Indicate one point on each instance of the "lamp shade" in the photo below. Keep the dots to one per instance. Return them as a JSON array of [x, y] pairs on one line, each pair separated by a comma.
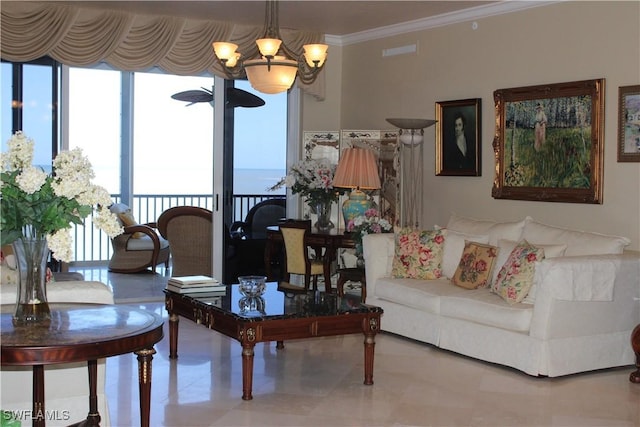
[[357, 169]]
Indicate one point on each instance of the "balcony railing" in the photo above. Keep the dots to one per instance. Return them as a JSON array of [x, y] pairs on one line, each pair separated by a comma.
[[93, 246]]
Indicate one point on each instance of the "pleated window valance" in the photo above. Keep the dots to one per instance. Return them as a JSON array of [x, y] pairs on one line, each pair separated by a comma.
[[81, 37]]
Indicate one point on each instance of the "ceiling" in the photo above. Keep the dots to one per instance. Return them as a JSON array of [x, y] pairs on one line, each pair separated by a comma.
[[329, 17]]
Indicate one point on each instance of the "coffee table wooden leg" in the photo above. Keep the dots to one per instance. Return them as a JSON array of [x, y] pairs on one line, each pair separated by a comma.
[[145, 358], [173, 335], [370, 330], [38, 396], [369, 347], [247, 370]]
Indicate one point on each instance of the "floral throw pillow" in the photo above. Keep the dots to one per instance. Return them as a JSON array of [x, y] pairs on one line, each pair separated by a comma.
[[476, 265], [418, 254], [516, 275]]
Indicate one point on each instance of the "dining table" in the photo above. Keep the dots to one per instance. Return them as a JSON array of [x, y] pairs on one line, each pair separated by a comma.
[[328, 241]]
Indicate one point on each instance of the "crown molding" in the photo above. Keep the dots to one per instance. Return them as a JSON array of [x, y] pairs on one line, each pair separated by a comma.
[[465, 15]]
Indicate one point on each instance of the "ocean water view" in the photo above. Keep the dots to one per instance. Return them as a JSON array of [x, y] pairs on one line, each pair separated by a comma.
[[257, 181]]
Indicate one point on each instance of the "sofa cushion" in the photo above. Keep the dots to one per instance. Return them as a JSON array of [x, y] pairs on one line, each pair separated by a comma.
[[484, 307], [454, 242], [420, 294], [8, 266], [495, 230], [418, 254], [476, 265], [74, 291], [145, 243], [578, 242], [516, 275], [505, 247]]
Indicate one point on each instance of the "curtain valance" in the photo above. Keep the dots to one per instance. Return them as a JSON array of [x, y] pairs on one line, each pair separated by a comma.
[[79, 36]]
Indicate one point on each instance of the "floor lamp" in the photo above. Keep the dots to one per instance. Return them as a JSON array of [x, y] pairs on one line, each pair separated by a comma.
[[411, 136]]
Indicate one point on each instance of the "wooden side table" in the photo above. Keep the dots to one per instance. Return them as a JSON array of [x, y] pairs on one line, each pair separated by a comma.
[[83, 332], [635, 344]]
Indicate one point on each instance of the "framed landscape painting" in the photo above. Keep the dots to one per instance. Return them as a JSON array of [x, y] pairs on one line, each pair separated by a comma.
[[629, 124], [549, 141]]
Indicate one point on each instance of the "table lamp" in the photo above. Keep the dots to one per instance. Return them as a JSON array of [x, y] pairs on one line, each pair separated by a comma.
[[357, 170]]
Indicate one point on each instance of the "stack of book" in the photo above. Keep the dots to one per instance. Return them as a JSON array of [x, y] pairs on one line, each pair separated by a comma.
[[199, 285]]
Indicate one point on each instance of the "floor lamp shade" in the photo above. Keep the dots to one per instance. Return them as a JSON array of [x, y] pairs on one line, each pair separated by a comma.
[[357, 170]]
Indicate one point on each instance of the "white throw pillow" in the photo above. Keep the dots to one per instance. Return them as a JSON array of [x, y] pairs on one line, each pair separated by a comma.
[[495, 230], [578, 242], [454, 242]]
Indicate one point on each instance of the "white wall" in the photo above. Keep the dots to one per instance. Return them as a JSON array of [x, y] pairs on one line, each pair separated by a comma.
[[562, 42]]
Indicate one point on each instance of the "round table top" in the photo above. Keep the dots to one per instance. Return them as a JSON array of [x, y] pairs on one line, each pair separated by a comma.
[[79, 332]]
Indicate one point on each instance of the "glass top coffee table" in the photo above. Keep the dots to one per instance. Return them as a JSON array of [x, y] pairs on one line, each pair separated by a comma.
[[280, 314]]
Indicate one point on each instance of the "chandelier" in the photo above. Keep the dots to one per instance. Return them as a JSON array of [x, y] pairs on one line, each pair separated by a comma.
[[271, 67]]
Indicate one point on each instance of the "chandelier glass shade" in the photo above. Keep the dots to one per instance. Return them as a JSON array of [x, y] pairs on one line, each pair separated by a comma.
[[274, 67]]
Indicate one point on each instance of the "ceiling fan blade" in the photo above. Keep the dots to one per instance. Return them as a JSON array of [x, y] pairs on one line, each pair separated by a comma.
[[235, 97], [241, 98], [193, 96]]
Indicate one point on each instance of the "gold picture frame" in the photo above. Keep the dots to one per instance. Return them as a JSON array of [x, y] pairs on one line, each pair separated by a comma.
[[458, 148], [549, 141], [629, 123]]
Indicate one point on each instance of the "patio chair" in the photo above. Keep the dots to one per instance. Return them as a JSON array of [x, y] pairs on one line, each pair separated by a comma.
[[139, 247], [249, 237], [260, 216], [189, 230]]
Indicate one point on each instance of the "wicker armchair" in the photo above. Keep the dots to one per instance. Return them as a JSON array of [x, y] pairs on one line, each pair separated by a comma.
[[189, 230], [139, 247]]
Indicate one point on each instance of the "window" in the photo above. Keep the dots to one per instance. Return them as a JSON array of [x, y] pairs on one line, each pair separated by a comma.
[[94, 112], [31, 91]]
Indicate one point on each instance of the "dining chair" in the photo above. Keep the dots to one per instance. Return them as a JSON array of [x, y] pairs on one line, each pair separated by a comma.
[[297, 256]]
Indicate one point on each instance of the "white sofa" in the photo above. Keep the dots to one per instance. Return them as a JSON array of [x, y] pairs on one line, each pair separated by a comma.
[[578, 316], [66, 385]]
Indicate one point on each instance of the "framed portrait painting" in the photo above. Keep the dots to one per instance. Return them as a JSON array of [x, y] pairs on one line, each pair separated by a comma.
[[549, 142], [629, 124], [458, 138]]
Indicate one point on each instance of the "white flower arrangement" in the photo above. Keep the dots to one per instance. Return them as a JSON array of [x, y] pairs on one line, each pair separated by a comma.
[[312, 179], [36, 205]]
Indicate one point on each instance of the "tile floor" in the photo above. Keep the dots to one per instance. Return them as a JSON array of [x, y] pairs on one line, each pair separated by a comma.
[[318, 382]]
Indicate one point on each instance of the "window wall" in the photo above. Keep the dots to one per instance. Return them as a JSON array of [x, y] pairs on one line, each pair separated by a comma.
[[141, 141], [29, 100]]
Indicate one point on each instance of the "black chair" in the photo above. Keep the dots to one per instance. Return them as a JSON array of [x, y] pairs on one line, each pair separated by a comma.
[[249, 237], [260, 216]]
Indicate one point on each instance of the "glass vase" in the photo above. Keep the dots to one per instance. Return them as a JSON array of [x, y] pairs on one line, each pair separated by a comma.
[[32, 307], [323, 210]]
